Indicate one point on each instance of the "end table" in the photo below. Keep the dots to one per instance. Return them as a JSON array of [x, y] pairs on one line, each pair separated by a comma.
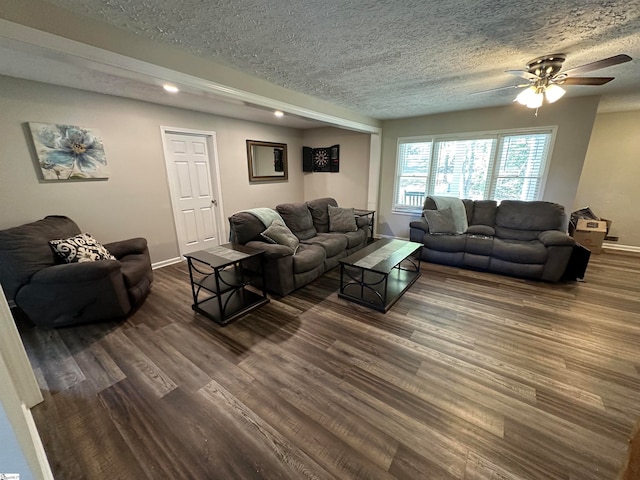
[[217, 275]]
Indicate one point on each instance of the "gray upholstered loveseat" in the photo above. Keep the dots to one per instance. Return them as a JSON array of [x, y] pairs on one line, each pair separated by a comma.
[[319, 249], [53, 293], [518, 238]]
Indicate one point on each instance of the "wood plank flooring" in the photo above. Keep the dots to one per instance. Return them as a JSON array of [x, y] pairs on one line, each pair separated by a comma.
[[470, 376]]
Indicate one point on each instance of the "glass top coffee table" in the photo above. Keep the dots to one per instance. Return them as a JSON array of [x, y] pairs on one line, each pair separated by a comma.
[[380, 273]]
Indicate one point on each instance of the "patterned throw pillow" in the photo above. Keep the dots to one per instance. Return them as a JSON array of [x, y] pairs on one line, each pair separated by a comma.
[[81, 248], [279, 233]]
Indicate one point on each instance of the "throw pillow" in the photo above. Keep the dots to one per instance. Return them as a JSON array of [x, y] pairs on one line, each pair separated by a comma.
[[279, 233], [341, 219], [81, 248], [440, 221]]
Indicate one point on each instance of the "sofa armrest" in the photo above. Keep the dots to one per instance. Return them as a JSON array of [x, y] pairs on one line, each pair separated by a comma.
[[420, 225], [362, 222], [127, 247], [556, 238], [70, 273], [271, 250]]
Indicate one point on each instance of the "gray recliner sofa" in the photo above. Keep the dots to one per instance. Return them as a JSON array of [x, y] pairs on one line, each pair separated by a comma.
[[518, 238], [319, 249], [53, 293]]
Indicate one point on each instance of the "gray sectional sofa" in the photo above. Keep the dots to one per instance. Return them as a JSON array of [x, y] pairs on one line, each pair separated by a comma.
[[518, 238], [319, 248]]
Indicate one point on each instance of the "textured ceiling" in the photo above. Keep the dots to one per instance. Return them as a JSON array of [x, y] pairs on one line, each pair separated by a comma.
[[397, 58]]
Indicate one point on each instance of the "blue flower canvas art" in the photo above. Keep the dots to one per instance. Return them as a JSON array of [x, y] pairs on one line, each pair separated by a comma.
[[68, 152]]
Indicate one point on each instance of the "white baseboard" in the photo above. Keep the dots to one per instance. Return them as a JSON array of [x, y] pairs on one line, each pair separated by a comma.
[[392, 237], [166, 263], [623, 248]]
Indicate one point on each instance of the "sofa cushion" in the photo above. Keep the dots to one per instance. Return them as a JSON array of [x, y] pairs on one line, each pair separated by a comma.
[[308, 257], [446, 243], [341, 219], [80, 248], [440, 221], [279, 233], [332, 243], [320, 213], [298, 218], [535, 215], [518, 251], [484, 212]]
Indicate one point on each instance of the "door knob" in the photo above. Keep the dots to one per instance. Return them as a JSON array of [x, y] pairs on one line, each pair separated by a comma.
[[215, 202]]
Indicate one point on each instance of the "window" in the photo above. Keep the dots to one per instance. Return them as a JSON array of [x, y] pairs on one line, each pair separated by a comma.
[[499, 166]]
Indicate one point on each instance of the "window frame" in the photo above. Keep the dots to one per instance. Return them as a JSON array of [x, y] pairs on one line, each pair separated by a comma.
[[494, 162]]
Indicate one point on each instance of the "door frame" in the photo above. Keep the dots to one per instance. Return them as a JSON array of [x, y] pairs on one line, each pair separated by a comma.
[[214, 166], [19, 394]]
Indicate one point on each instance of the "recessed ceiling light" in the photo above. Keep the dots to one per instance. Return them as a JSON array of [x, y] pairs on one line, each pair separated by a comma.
[[278, 113], [171, 88]]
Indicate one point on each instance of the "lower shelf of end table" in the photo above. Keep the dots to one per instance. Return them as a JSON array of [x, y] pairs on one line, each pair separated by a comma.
[[234, 304]]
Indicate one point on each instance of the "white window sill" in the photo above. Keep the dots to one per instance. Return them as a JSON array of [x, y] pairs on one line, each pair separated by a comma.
[[408, 213]]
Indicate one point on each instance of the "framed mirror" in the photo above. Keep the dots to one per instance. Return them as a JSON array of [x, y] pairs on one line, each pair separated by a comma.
[[267, 161]]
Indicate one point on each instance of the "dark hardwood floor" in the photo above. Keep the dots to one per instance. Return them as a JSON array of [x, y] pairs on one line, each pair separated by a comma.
[[470, 376]]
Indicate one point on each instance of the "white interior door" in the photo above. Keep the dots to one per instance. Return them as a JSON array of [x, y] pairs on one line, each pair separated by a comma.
[[193, 197]]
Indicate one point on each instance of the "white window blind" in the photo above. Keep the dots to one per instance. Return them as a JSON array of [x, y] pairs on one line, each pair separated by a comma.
[[414, 161], [520, 169], [498, 165], [462, 168]]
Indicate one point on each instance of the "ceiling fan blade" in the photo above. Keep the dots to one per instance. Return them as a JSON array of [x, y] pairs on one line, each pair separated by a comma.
[[586, 80], [523, 74], [499, 88], [606, 62]]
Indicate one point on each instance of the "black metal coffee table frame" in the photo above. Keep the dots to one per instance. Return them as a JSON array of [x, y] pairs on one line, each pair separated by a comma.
[[380, 273]]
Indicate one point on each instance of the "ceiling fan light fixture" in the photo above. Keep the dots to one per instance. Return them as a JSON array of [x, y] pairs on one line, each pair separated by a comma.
[[535, 101], [528, 96], [554, 93]]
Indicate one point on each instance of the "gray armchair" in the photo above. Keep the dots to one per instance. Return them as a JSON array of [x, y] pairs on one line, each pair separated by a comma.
[[52, 293]]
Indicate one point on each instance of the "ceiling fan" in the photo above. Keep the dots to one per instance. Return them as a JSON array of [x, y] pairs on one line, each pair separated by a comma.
[[544, 75]]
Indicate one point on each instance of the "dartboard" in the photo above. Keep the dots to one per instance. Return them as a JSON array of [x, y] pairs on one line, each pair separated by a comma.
[[321, 159]]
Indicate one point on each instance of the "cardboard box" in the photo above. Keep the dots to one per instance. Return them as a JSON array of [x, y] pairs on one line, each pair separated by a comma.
[[590, 233]]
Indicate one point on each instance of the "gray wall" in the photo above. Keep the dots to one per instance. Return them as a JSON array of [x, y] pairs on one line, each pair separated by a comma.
[[134, 201], [609, 181], [574, 118], [349, 186]]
